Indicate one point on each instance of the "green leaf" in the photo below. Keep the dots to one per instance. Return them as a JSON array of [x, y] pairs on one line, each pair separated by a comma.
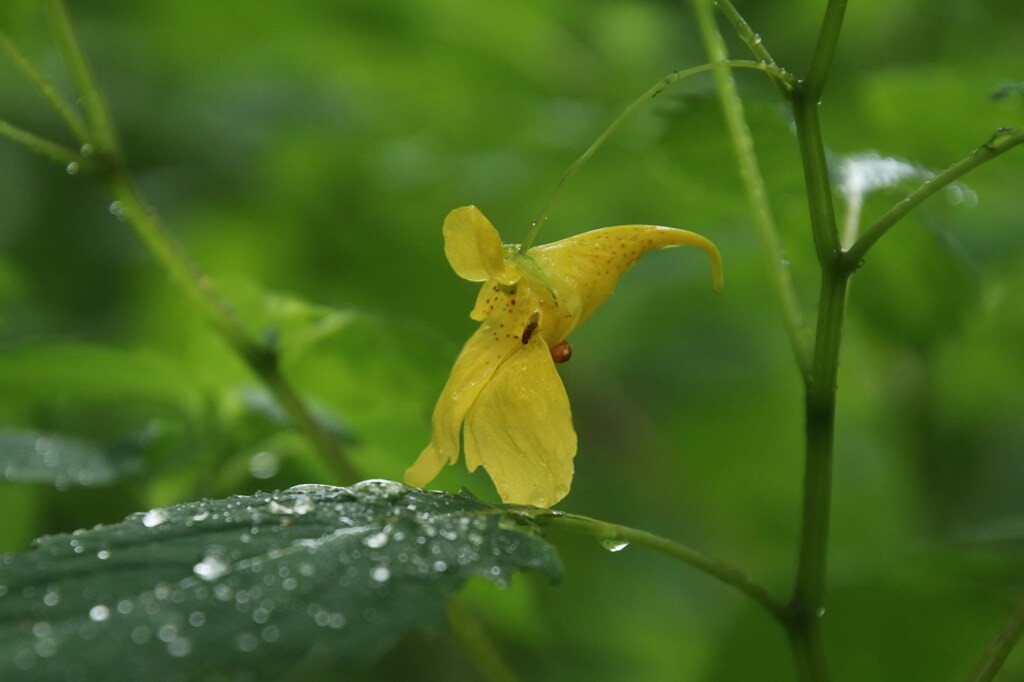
[[35, 457], [249, 584]]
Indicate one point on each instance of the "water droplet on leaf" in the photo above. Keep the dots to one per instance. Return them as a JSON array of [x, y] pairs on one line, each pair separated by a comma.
[[378, 489], [211, 567], [154, 517], [299, 505], [376, 541]]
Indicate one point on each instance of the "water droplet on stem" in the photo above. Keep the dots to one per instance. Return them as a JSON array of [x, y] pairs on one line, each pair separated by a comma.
[[614, 544]]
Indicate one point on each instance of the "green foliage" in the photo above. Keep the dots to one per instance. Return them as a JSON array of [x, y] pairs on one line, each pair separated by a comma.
[[316, 148], [248, 585]]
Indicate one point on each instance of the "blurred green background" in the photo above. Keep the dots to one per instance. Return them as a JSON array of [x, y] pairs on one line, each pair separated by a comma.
[[305, 155]]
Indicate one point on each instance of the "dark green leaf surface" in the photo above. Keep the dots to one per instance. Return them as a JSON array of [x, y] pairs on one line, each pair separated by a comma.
[[34, 457], [247, 585]]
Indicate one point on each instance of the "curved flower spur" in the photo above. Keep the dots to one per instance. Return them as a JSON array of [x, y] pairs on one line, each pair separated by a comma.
[[504, 394]]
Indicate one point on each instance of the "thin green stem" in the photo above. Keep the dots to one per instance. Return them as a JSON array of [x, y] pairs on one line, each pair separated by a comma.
[[716, 568], [648, 95], [775, 261], [261, 358], [97, 117], [129, 207], [46, 89], [753, 41], [475, 642], [816, 176], [824, 52], [1002, 141], [1000, 647], [39, 145]]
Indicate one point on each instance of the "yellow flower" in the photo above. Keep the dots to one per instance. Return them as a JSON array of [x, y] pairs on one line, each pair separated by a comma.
[[504, 394]]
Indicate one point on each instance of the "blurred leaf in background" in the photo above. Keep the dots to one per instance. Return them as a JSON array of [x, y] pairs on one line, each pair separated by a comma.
[[306, 155]]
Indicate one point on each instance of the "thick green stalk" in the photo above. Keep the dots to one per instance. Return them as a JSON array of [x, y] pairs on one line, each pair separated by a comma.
[[716, 568], [820, 386], [808, 603]]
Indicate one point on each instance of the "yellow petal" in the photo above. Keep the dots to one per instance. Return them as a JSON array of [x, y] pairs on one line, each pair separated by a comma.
[[520, 429], [426, 467], [590, 264], [474, 247], [475, 366]]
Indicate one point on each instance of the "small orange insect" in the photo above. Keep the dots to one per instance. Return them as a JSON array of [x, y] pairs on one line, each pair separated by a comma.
[[561, 352]]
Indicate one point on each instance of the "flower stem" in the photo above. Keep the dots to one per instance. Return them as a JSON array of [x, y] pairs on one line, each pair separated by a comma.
[[648, 95], [996, 653], [757, 195], [716, 568]]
